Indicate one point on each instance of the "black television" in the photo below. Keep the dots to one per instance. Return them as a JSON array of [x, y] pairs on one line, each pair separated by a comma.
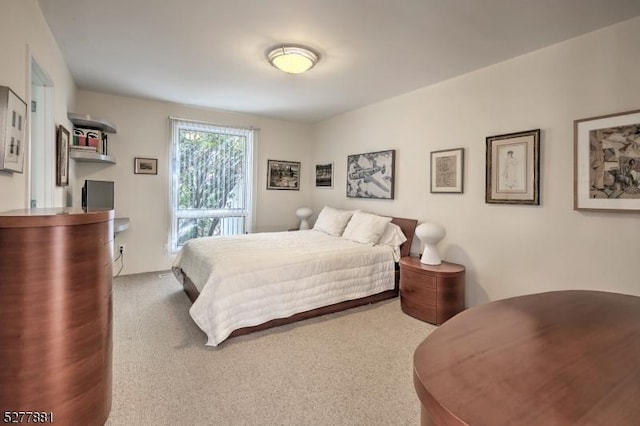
[[97, 195]]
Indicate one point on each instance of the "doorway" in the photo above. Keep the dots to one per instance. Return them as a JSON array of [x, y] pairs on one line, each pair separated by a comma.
[[42, 151]]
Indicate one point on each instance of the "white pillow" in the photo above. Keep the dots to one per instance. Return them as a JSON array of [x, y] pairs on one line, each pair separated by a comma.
[[393, 237], [332, 221], [365, 228]]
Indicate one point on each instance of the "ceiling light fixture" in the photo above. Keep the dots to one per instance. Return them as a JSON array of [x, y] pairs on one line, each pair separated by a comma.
[[292, 59]]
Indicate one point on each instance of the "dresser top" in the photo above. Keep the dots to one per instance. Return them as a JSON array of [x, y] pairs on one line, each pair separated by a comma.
[[52, 217]]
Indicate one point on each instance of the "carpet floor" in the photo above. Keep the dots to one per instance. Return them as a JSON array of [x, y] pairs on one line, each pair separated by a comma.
[[349, 368]]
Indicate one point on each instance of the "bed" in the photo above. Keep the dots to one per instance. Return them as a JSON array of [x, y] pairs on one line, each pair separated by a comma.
[[245, 283]]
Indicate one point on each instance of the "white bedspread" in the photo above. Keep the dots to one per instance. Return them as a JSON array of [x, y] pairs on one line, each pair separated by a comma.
[[246, 280]]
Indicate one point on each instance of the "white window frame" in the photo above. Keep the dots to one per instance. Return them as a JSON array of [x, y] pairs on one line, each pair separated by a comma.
[[178, 124]]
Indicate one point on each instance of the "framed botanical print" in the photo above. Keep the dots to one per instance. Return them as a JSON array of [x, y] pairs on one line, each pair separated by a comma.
[[370, 175], [513, 168], [447, 171], [607, 162]]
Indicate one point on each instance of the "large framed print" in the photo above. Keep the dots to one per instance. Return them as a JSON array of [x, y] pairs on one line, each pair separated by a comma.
[[447, 171], [370, 175], [607, 162], [13, 124], [283, 175], [513, 168]]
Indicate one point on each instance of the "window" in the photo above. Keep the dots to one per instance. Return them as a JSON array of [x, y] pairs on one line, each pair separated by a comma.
[[211, 180]]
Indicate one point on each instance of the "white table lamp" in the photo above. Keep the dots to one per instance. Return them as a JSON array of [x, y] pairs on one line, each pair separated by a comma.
[[430, 234], [304, 213]]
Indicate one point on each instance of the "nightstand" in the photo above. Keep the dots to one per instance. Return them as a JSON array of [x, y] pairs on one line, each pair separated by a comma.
[[431, 293]]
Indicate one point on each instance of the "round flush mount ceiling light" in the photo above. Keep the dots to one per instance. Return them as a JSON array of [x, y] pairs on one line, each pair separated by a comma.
[[292, 59]]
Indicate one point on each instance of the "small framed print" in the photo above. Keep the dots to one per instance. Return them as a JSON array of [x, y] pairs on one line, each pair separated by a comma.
[[513, 166], [447, 171], [62, 156], [607, 163], [324, 175], [283, 175], [145, 166]]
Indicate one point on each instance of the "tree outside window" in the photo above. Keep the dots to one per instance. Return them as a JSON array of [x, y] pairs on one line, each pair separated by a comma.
[[211, 179]]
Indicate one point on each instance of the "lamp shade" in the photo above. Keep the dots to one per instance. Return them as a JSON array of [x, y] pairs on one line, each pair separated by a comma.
[[430, 234], [304, 213], [292, 59]]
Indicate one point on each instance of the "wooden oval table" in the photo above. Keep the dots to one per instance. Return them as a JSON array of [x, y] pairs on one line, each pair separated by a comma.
[[557, 358]]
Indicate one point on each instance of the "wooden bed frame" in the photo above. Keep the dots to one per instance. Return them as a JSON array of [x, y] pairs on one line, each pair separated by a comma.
[[408, 227]]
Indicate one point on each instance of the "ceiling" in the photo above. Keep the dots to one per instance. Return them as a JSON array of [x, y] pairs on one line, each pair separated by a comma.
[[211, 53]]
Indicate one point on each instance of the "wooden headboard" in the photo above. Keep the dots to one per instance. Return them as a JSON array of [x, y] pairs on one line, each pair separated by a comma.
[[408, 227]]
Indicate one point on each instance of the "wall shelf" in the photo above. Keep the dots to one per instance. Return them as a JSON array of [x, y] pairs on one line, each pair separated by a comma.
[[120, 224], [90, 122], [91, 157]]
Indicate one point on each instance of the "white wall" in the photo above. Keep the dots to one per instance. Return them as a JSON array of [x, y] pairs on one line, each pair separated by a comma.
[[24, 32], [508, 250], [143, 131]]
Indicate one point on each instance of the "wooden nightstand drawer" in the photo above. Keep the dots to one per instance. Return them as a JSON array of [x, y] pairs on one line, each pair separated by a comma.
[[431, 293], [418, 308], [413, 279], [424, 290]]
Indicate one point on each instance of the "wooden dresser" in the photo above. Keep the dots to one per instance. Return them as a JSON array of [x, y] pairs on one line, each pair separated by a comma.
[[56, 314], [431, 293]]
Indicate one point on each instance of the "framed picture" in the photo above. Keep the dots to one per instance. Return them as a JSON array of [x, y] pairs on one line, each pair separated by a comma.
[[145, 166], [607, 162], [371, 175], [513, 168], [13, 123], [62, 156], [447, 170], [324, 175], [283, 175]]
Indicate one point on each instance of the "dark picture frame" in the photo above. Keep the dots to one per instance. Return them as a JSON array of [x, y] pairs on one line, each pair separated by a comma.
[[13, 124], [371, 175], [513, 168], [283, 175], [145, 166], [63, 138], [324, 175], [447, 171], [607, 163]]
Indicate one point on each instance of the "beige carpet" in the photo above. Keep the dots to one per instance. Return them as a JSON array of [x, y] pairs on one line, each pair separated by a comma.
[[349, 368]]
